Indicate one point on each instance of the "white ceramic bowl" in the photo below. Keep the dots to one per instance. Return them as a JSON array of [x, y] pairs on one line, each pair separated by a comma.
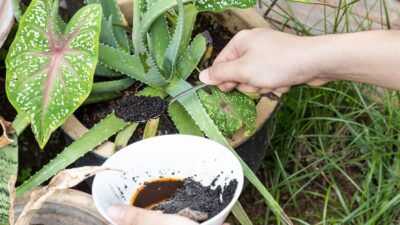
[[178, 156]]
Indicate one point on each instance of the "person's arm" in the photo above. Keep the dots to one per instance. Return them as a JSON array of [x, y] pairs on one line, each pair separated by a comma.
[[263, 60]]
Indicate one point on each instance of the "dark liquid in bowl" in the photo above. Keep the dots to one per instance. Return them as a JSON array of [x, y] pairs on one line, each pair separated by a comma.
[[155, 192]]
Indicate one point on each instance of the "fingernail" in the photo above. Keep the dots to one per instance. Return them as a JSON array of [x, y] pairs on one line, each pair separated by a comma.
[[204, 77], [117, 212]]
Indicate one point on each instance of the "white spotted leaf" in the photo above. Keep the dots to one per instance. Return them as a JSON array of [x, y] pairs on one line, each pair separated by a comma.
[[230, 111], [50, 69]]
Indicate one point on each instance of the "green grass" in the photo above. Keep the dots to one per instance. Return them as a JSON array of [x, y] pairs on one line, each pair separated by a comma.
[[335, 156]]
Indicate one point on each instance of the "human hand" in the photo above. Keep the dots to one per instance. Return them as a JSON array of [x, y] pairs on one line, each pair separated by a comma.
[[127, 215], [263, 60]]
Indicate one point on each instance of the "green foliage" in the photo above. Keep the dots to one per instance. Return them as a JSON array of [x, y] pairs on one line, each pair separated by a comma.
[[94, 137], [50, 69], [183, 121], [8, 168], [229, 111]]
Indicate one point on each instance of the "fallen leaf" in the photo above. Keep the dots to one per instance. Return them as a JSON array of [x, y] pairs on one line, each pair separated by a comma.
[[63, 180], [7, 129], [11, 190]]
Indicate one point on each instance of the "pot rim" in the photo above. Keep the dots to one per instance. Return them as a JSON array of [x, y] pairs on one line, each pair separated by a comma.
[[249, 19]]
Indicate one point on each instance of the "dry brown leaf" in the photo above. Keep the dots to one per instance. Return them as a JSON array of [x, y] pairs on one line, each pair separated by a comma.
[[7, 129], [63, 180], [6, 18], [11, 191]]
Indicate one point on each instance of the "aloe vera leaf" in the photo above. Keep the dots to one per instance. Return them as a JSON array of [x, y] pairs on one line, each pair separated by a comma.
[[101, 97], [112, 86], [159, 39], [153, 92], [161, 7], [94, 137], [49, 74], [240, 214], [104, 71], [124, 136], [171, 55], [151, 128], [137, 39], [191, 57], [8, 168], [112, 11], [230, 111], [183, 121], [130, 65], [190, 19], [193, 105], [106, 34]]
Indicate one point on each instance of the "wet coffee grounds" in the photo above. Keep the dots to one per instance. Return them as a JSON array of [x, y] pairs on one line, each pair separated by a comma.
[[140, 108], [199, 198]]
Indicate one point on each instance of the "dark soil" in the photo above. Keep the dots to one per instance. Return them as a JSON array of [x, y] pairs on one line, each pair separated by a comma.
[[140, 108], [196, 197]]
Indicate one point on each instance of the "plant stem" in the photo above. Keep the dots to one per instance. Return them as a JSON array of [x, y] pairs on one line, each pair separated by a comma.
[[151, 128], [21, 122], [124, 135], [94, 137]]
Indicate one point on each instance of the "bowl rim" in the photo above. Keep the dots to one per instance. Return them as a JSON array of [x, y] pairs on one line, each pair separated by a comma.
[[239, 175]]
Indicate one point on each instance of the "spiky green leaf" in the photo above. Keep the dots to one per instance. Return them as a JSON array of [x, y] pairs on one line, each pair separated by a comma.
[[161, 7], [104, 71], [230, 111], [50, 72], [190, 19], [183, 121], [171, 56], [97, 135], [130, 65], [112, 19], [159, 39], [191, 57]]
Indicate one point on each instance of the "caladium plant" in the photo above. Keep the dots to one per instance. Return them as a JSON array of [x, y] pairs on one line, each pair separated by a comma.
[[50, 64]]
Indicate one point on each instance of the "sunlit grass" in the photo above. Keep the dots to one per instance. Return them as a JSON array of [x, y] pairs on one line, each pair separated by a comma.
[[335, 156]]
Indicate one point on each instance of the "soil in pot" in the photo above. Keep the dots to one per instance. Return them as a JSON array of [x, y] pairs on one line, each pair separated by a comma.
[[139, 108], [185, 197]]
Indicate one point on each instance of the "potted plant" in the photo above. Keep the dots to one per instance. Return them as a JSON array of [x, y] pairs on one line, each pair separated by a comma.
[[253, 150], [50, 68]]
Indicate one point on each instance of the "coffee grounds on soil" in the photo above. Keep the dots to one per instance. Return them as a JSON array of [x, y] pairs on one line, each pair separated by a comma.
[[140, 108], [199, 198]]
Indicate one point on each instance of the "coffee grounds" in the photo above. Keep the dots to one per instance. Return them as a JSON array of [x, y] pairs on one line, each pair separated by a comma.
[[196, 197], [140, 108]]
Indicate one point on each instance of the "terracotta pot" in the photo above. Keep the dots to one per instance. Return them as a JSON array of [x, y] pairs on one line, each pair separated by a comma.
[[235, 20], [64, 207]]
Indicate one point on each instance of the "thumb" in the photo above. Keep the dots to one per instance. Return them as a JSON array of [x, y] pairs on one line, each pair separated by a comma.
[[127, 215], [222, 72]]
